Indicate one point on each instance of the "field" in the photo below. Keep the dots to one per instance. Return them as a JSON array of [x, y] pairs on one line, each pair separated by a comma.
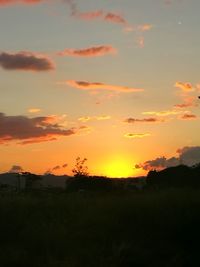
[[147, 228]]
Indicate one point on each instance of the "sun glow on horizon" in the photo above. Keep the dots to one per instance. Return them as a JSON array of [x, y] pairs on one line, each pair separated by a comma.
[[118, 168]]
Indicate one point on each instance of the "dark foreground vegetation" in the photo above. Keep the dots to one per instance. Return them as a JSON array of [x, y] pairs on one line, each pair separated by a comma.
[[146, 228], [101, 223]]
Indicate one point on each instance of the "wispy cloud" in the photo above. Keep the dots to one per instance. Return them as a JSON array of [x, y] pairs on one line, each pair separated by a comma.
[[112, 17], [84, 130], [84, 85], [188, 116], [27, 130], [34, 110], [91, 118], [188, 102], [188, 94], [144, 120], [115, 18], [85, 119], [184, 86], [145, 27], [26, 61], [91, 15], [56, 168], [140, 41], [163, 112], [136, 135], [10, 2], [94, 51]]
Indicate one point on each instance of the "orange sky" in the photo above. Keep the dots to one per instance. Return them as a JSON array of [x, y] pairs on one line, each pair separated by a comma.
[[114, 82]]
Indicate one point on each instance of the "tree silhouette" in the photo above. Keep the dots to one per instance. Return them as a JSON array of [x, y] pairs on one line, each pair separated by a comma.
[[80, 169]]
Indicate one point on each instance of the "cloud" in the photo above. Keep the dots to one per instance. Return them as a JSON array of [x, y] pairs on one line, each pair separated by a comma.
[[136, 135], [56, 168], [187, 155], [91, 15], [133, 120], [142, 28], [187, 87], [64, 165], [188, 95], [84, 85], [198, 87], [84, 130], [103, 15], [26, 61], [110, 17], [145, 27], [34, 110], [94, 51], [140, 41], [98, 118], [189, 116], [158, 163], [115, 18], [85, 119], [163, 113], [10, 2], [188, 102], [184, 105], [16, 169], [103, 117], [26, 130]]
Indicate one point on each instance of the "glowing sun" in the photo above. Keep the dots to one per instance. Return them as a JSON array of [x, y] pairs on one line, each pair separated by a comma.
[[118, 168]]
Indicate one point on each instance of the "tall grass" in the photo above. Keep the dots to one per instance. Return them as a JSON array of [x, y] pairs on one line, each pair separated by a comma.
[[150, 228]]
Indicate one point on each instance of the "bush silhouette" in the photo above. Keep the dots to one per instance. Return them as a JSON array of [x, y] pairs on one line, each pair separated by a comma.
[[80, 169]]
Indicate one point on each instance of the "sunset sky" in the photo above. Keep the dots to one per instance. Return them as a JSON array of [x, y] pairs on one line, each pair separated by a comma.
[[113, 81]]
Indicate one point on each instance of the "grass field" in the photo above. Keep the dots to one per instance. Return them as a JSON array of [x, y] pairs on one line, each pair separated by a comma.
[[148, 228]]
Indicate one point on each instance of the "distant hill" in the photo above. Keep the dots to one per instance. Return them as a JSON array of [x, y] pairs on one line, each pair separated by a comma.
[[22, 180]]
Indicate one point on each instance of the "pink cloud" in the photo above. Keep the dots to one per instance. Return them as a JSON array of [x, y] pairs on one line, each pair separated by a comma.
[[91, 15], [188, 102], [115, 18], [84, 85], [94, 51], [10, 2]]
